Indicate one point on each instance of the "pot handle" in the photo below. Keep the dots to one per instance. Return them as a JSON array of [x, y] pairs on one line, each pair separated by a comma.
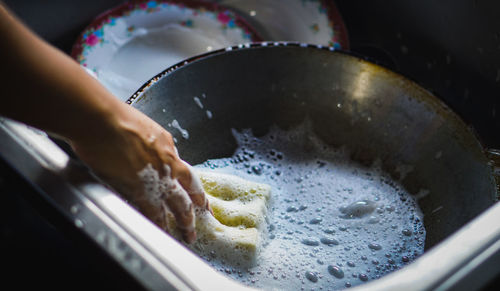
[[494, 157]]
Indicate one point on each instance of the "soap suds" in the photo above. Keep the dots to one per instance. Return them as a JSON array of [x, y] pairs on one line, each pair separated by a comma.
[[240, 209], [333, 223], [235, 232], [158, 189], [184, 133], [198, 102]]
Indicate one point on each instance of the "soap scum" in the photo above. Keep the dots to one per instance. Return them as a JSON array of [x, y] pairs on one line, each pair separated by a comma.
[[48, 90]]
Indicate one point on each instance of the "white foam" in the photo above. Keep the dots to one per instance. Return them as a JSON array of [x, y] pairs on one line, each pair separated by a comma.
[[157, 189], [198, 102], [184, 133], [308, 232]]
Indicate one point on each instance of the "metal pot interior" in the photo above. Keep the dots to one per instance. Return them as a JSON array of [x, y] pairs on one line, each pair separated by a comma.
[[372, 111]]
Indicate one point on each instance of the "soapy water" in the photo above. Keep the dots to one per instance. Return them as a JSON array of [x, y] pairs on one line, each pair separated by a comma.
[[332, 223]]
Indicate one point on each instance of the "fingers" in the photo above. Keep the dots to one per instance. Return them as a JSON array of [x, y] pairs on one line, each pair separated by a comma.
[[192, 184], [182, 171], [184, 190], [180, 205]]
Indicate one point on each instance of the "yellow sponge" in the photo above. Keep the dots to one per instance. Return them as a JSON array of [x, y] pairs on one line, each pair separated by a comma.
[[236, 201], [240, 209]]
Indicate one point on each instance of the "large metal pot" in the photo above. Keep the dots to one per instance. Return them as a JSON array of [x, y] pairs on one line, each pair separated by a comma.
[[372, 111]]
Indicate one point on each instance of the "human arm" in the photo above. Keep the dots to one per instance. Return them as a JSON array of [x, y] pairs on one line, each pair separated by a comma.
[[48, 90]]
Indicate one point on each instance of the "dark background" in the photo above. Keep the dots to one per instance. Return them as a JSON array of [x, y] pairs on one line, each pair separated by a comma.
[[450, 47]]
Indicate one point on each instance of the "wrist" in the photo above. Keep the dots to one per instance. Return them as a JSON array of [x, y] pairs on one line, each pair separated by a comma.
[[97, 121]]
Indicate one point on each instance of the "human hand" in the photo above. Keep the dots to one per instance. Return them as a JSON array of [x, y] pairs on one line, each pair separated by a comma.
[[114, 139], [124, 146]]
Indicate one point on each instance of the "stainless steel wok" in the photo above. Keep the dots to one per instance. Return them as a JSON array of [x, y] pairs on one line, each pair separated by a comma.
[[354, 103], [372, 111]]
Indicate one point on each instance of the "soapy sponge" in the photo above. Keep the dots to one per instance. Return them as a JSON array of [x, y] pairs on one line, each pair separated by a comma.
[[236, 201], [235, 231]]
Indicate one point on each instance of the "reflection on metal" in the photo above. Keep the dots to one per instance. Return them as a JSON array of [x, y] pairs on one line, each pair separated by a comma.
[[51, 155], [362, 86]]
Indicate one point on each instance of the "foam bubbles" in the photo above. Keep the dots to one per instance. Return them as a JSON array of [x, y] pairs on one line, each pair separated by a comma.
[[326, 208], [157, 188], [358, 209]]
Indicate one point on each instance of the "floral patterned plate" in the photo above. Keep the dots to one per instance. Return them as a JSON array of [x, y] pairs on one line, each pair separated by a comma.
[[127, 45], [307, 21]]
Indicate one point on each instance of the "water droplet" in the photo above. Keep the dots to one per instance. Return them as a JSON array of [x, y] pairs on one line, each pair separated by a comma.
[[78, 223], [373, 220], [389, 208], [74, 209], [336, 271], [329, 241], [257, 170], [310, 242], [311, 276], [176, 125], [375, 246], [406, 232], [315, 220], [292, 209], [329, 231], [198, 102], [363, 277], [351, 264], [358, 209]]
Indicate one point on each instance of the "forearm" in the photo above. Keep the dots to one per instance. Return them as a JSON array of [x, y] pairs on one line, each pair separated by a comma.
[[45, 88]]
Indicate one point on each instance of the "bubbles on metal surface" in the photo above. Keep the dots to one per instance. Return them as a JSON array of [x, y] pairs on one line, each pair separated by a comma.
[[336, 271], [329, 214]]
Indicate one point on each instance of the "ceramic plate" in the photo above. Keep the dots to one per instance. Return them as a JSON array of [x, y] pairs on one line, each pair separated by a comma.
[[127, 45], [308, 21]]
